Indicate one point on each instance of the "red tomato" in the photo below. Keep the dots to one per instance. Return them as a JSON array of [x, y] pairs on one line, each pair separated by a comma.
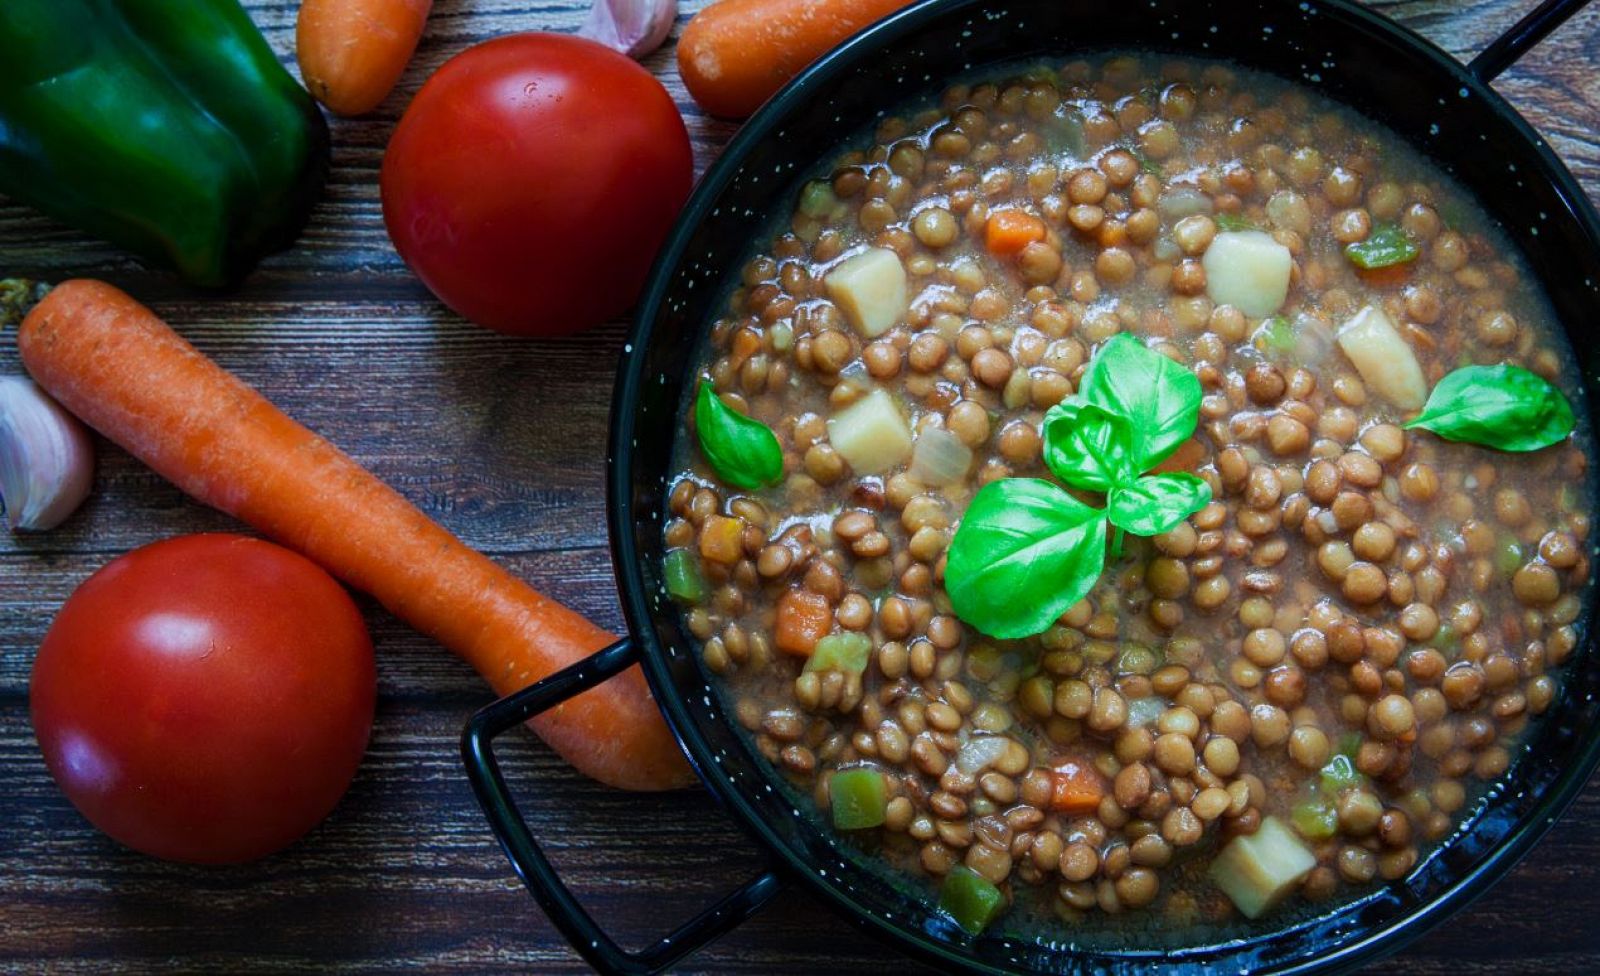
[[532, 180], [206, 698]]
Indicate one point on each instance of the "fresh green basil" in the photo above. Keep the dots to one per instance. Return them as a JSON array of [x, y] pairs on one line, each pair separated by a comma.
[[743, 451], [1025, 552], [1157, 503], [1385, 247], [1159, 398], [1087, 446], [1503, 407]]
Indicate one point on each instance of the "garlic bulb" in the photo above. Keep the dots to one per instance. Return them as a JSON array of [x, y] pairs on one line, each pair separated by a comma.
[[46, 459], [634, 27]]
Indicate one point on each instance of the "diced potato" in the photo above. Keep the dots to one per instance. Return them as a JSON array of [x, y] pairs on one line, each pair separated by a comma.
[[1258, 870], [871, 289], [1248, 270], [870, 434], [1384, 359]]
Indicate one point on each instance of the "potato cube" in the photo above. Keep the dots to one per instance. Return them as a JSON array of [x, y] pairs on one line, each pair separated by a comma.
[[1384, 358], [1248, 270], [1258, 870], [870, 288], [870, 434]]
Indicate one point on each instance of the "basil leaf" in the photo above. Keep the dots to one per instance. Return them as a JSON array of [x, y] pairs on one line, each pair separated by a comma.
[[1386, 246], [1025, 552], [1159, 398], [1503, 407], [1157, 503], [1087, 446], [743, 451]]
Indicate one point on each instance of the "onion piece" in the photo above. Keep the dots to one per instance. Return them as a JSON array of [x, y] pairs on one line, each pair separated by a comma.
[[634, 27], [46, 459], [980, 752], [1184, 201], [939, 458]]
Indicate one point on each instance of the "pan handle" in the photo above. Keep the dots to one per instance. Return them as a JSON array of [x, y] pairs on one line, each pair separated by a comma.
[[531, 865], [1504, 50]]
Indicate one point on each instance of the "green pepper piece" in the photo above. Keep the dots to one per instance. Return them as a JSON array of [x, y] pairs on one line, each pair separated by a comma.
[[1385, 247], [859, 798], [840, 652], [681, 572], [1315, 820], [1339, 773], [169, 129], [969, 899]]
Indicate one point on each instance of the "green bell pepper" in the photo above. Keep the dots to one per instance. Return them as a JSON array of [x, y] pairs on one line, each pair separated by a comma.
[[169, 129]]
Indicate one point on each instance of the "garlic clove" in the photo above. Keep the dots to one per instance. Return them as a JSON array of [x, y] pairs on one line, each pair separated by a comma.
[[634, 27], [46, 458]]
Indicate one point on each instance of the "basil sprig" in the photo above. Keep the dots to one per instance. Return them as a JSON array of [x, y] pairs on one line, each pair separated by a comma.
[[743, 451], [1504, 407], [1025, 553], [1026, 550], [1385, 247]]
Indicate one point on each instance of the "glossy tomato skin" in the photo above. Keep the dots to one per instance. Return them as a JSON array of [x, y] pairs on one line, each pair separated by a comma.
[[206, 698], [532, 180]]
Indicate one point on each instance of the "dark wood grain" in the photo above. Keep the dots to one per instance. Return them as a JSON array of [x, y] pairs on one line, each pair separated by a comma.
[[499, 441]]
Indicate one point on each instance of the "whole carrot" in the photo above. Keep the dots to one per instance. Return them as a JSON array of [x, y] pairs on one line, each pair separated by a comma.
[[351, 52], [116, 365], [735, 53]]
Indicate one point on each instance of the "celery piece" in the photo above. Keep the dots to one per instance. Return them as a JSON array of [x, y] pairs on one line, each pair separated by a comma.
[[841, 652], [681, 570], [1508, 555], [1339, 773], [859, 797], [1276, 337], [1315, 819], [969, 899], [817, 199]]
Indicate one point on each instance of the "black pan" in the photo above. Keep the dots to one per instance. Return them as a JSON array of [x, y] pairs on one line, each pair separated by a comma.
[[1445, 109]]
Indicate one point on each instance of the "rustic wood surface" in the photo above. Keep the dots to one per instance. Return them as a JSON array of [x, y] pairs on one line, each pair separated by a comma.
[[499, 440]]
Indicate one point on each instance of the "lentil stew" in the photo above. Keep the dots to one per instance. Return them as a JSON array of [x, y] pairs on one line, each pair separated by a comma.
[[1295, 693]]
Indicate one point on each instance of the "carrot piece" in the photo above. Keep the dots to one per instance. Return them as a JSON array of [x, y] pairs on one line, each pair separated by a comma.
[[1009, 231], [735, 54], [1077, 788], [116, 365], [720, 539], [803, 619], [351, 52]]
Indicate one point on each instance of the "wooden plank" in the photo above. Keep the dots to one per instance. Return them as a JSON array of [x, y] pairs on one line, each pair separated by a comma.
[[499, 439]]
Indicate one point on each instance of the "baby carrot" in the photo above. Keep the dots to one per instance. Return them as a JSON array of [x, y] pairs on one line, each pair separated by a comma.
[[351, 52], [735, 53], [117, 366]]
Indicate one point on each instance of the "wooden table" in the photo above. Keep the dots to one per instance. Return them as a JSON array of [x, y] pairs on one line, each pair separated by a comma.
[[499, 440]]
